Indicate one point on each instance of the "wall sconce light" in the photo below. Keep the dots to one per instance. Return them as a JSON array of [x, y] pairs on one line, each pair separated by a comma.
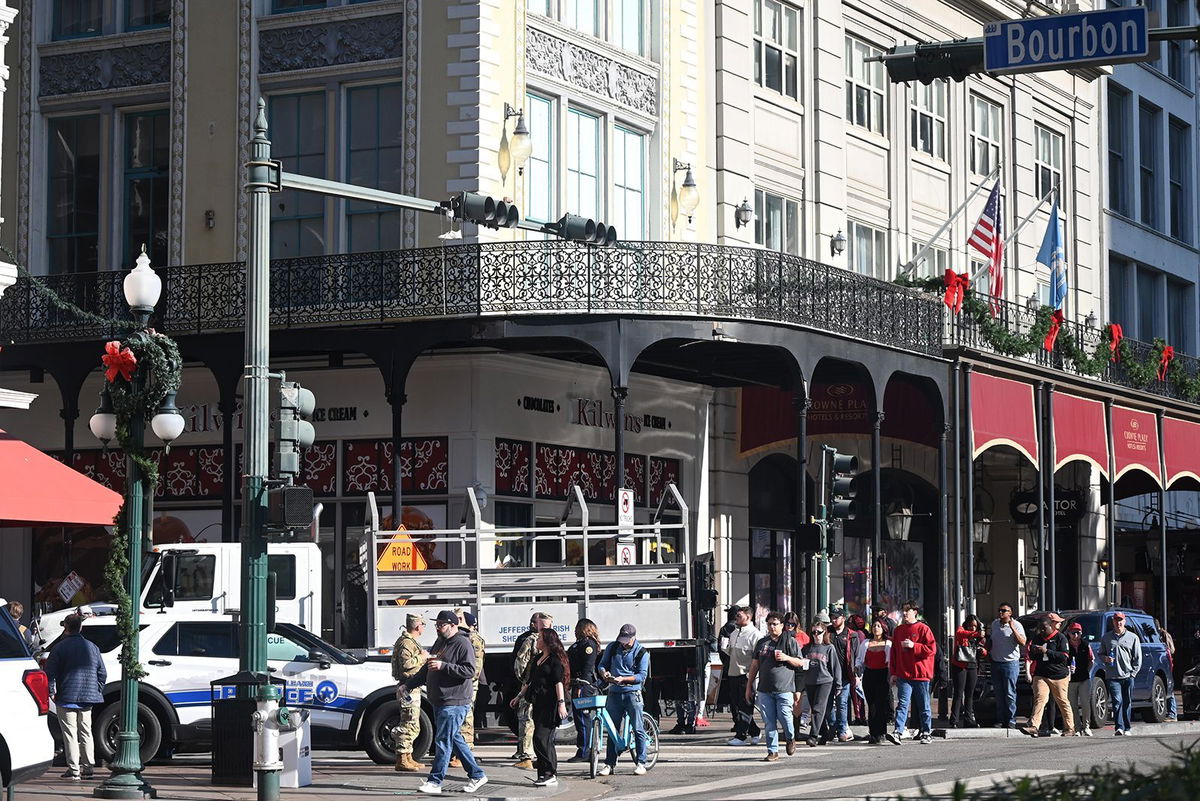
[[984, 574], [688, 197], [210, 219], [1091, 321], [837, 244], [743, 215], [1033, 301], [514, 151], [1102, 561]]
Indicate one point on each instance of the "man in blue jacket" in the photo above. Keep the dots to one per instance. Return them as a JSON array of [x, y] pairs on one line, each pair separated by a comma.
[[77, 678], [625, 665]]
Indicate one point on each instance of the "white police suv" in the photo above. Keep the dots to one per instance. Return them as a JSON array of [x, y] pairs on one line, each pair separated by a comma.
[[26, 748], [352, 703]]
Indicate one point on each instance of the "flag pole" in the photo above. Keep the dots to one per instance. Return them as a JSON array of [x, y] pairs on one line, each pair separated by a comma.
[[907, 268], [1017, 230]]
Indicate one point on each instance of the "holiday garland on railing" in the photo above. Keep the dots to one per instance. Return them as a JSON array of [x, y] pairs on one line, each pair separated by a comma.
[[1159, 365]]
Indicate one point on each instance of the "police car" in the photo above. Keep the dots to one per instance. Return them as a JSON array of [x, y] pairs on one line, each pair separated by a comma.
[[352, 703]]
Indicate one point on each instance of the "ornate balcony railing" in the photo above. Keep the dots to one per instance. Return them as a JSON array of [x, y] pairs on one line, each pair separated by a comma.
[[520, 278]]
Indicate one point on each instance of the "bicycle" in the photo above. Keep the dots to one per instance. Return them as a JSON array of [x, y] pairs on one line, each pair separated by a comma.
[[601, 723]]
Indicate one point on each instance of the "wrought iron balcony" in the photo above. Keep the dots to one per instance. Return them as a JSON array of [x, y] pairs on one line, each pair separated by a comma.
[[500, 279]]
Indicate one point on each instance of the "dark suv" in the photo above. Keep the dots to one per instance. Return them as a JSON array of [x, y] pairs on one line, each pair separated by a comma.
[[1151, 687]]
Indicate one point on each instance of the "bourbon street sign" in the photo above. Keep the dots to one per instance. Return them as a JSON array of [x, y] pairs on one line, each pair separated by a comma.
[[1108, 36]]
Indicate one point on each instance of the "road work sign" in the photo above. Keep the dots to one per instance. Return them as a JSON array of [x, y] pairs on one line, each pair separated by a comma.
[[1109, 36]]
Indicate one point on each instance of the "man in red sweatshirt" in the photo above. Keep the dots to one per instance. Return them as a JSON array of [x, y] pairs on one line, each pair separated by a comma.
[[913, 652]]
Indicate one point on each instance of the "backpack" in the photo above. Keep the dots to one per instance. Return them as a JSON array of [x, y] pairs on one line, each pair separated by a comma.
[[638, 652]]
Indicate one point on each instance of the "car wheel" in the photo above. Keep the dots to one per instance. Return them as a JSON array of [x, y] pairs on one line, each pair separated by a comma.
[[1157, 711], [1101, 706], [379, 739], [107, 724]]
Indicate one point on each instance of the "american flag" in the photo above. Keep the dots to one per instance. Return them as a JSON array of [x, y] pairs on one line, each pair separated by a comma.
[[988, 239]]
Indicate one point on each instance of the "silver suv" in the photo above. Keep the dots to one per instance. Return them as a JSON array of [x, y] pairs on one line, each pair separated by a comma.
[[26, 747]]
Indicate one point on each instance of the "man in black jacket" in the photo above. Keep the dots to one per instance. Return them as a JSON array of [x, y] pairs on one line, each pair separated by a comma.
[[1049, 650], [77, 679], [449, 675]]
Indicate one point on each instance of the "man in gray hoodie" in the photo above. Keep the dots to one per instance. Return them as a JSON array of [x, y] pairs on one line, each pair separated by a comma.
[[1121, 653]]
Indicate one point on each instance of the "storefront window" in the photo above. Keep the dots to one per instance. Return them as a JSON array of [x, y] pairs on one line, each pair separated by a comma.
[[770, 572]]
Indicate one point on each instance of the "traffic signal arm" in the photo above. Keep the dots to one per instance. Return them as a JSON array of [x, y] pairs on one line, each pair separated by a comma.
[[928, 62]]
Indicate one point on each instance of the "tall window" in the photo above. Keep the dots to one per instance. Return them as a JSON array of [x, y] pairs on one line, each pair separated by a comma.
[[1179, 313], [864, 85], [540, 7], [582, 15], [1147, 300], [935, 262], [776, 222], [141, 14], [1177, 50], [297, 125], [583, 164], [147, 185], [1120, 299], [74, 19], [1149, 120], [1048, 155], [629, 170], [868, 250], [1178, 151], [1118, 150], [986, 135], [929, 118], [73, 209], [776, 46], [627, 25], [539, 169], [375, 159]]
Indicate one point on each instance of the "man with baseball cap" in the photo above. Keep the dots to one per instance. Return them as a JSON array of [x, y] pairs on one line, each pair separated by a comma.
[[1121, 651], [625, 665]]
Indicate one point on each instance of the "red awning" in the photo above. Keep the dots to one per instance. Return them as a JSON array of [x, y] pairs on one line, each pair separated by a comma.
[[1135, 442], [1002, 414], [1181, 448], [36, 489], [1080, 432]]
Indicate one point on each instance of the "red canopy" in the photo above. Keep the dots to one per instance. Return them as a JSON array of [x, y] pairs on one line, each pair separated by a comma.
[[1002, 414], [1135, 442], [1181, 448], [1080, 432], [36, 489]]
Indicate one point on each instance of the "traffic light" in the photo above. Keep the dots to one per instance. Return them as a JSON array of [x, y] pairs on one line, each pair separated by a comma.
[[484, 210], [842, 469], [581, 229], [928, 62], [294, 406]]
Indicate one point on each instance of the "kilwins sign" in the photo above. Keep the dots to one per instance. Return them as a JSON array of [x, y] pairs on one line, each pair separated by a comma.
[[1069, 506]]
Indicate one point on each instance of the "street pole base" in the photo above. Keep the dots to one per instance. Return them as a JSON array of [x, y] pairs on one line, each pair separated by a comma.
[[125, 786], [267, 785]]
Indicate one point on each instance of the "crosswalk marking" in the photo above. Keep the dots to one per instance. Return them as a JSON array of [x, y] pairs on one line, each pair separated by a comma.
[[769, 774], [808, 788], [976, 783]]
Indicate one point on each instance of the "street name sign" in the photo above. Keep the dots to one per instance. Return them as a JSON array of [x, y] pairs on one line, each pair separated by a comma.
[[1107, 36]]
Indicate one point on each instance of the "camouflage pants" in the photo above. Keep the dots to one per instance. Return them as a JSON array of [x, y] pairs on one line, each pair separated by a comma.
[[410, 719], [525, 728], [468, 726]]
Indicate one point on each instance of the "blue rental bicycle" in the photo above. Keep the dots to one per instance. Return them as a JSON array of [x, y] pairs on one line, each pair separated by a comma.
[[601, 724]]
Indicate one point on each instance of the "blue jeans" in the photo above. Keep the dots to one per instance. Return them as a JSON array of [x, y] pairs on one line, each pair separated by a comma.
[[1004, 687], [1121, 692], [1172, 708], [918, 691], [447, 738], [620, 704], [583, 722], [776, 708], [839, 722]]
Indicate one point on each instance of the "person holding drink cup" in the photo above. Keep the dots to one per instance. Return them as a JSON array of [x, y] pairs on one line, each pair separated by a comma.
[[776, 657], [1122, 654]]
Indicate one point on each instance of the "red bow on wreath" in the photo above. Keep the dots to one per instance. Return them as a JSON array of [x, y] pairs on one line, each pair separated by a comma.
[[1114, 343], [119, 361], [1056, 321], [956, 287], [1164, 361]]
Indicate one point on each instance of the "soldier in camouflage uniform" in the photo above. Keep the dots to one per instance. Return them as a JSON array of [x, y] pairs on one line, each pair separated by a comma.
[[407, 658], [522, 662]]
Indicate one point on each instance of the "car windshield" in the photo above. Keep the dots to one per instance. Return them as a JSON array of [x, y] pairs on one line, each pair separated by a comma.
[[312, 641]]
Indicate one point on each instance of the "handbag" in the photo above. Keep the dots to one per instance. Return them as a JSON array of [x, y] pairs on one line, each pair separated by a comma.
[[965, 654]]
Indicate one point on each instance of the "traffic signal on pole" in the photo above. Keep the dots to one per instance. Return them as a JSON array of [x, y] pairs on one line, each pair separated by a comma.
[[294, 407], [842, 469], [484, 210], [581, 229], [928, 62]]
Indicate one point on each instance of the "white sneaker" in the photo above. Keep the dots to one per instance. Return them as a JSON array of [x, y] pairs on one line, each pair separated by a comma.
[[605, 770], [1087, 732], [639, 769], [738, 741], [755, 740], [549, 781], [430, 788], [474, 784]]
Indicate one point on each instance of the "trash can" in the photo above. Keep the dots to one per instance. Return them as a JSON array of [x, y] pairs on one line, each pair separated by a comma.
[[232, 729], [295, 747]]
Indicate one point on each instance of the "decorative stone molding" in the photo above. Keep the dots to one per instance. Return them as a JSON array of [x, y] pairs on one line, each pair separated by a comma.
[[591, 70], [245, 26], [110, 68], [178, 130], [334, 43], [412, 15], [24, 122]]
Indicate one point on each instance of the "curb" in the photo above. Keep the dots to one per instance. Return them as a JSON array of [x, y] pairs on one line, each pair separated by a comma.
[[1139, 730]]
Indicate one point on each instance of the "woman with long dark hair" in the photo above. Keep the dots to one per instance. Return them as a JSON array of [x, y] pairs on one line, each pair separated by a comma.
[[964, 669], [546, 691], [582, 657], [822, 678], [872, 664]]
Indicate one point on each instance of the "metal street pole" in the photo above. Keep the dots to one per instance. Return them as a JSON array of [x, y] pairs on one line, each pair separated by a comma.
[[263, 178], [823, 556], [126, 779]]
